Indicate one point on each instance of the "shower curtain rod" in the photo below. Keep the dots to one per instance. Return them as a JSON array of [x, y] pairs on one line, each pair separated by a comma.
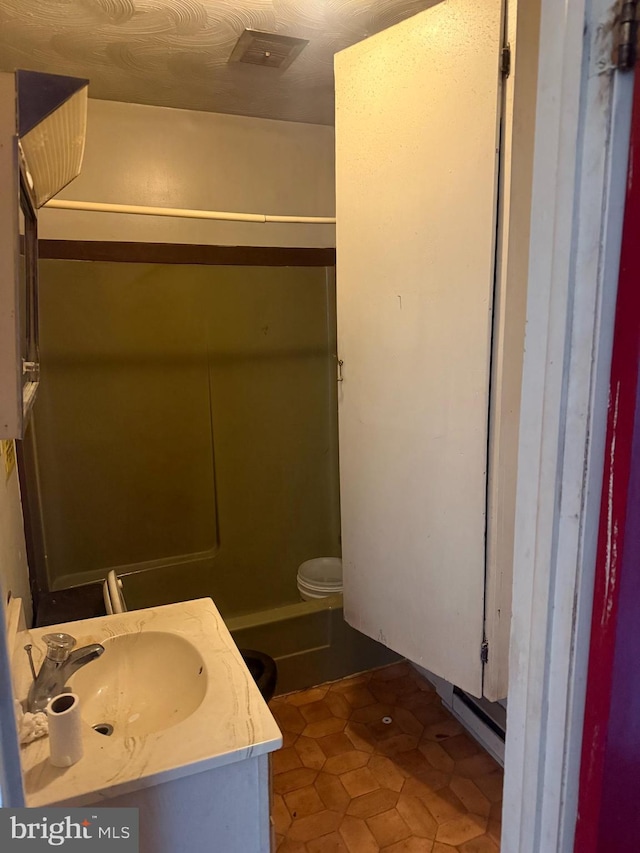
[[184, 213]]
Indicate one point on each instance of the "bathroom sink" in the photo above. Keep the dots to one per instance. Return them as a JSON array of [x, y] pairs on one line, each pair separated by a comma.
[[172, 690], [143, 683]]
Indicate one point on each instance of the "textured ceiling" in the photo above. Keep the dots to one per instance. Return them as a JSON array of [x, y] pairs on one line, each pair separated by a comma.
[[174, 52]]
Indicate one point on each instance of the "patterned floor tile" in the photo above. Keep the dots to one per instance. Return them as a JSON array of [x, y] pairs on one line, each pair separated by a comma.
[[397, 744], [476, 766], [306, 697], [410, 845], [352, 760], [470, 795], [348, 683], [314, 712], [373, 803], [336, 744], [444, 805], [460, 746], [461, 829], [360, 736], [289, 718], [357, 836], [491, 785], [288, 738], [331, 843], [303, 802], [309, 752], [443, 729], [322, 728], [388, 827], [332, 792], [281, 815], [494, 828], [289, 846], [290, 780], [372, 713], [436, 756], [314, 826], [386, 772], [375, 764], [482, 844], [388, 673], [285, 759], [358, 696], [338, 705], [417, 816], [358, 782], [426, 784]]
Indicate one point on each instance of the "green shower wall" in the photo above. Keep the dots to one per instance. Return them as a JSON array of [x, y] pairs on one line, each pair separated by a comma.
[[185, 431]]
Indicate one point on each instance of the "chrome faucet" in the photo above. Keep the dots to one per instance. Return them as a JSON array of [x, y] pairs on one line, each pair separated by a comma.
[[57, 667]]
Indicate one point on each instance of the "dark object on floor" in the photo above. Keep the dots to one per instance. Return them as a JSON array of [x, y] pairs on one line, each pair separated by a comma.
[[264, 671], [68, 605]]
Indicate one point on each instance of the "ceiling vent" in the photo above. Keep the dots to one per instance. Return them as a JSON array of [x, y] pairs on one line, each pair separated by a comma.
[[268, 49]]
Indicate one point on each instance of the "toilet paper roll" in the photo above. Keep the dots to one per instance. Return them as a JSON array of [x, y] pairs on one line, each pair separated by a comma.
[[65, 730]]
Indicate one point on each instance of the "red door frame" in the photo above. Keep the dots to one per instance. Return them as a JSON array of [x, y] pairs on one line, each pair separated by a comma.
[[609, 795]]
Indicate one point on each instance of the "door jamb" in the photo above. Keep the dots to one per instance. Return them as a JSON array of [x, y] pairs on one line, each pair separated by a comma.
[[582, 119]]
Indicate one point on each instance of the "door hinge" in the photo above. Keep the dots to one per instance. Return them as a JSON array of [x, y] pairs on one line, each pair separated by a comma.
[[625, 52], [505, 60], [484, 652]]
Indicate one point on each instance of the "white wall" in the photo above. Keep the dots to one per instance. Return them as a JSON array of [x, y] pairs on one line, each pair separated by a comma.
[[147, 155], [14, 574]]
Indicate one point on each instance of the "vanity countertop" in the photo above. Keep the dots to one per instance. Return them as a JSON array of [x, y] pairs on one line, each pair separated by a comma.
[[232, 722]]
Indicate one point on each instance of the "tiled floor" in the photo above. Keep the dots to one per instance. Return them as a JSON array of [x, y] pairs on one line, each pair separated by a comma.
[[375, 763]]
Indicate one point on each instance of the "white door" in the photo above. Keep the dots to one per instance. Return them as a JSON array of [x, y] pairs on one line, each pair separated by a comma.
[[417, 129]]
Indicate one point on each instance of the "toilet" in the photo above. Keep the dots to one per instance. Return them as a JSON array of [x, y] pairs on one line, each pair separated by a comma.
[[319, 578], [262, 667]]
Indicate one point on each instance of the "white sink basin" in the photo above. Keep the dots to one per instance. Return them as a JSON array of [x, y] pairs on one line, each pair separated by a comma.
[[173, 686], [143, 683]]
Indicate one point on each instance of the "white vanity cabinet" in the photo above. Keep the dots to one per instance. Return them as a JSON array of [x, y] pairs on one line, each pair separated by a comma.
[[200, 783], [224, 809]]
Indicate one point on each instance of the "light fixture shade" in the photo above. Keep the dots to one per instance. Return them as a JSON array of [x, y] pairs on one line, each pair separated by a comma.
[[52, 123]]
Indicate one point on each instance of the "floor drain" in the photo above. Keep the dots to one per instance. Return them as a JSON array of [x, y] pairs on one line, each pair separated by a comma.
[[103, 728]]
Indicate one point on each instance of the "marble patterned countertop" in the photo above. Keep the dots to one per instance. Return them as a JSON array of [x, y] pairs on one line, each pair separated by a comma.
[[232, 722]]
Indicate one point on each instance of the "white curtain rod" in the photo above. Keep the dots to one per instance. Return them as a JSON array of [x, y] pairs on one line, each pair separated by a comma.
[[183, 213]]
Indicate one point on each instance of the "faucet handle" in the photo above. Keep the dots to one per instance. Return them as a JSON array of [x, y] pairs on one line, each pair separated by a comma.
[[59, 646]]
